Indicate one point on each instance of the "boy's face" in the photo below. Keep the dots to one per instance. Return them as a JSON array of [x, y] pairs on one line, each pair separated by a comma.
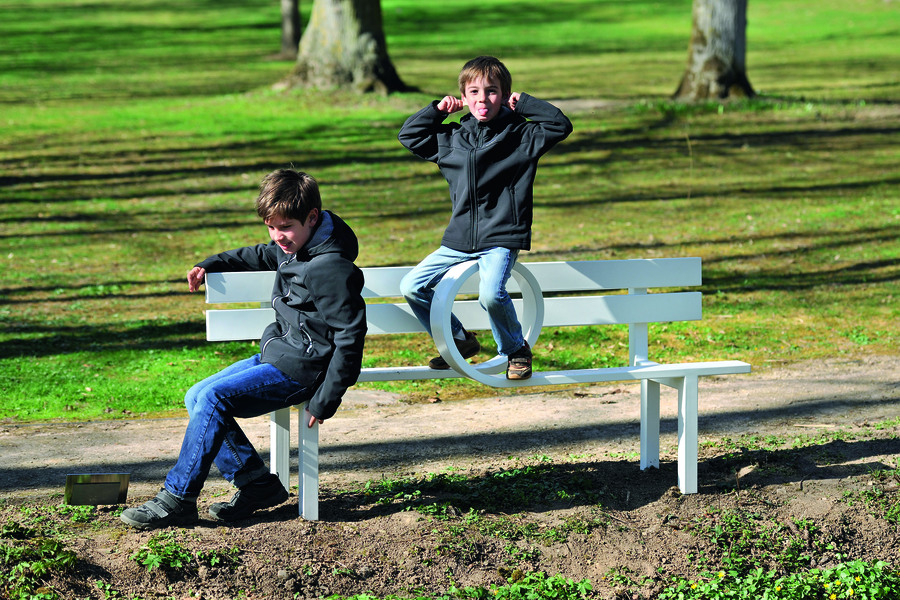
[[484, 98], [291, 234]]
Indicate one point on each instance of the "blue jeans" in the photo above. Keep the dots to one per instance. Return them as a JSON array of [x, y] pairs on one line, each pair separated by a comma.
[[248, 388], [494, 268]]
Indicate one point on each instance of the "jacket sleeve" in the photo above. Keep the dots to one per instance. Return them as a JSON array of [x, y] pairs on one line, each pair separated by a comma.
[[336, 285], [421, 133], [262, 257], [547, 124]]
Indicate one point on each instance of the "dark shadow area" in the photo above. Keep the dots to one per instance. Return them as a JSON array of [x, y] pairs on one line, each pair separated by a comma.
[[78, 338]]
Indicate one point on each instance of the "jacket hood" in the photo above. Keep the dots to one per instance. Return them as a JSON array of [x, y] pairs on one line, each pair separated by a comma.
[[332, 235]]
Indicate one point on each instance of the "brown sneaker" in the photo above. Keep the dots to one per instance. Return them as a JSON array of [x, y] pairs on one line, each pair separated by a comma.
[[519, 365], [468, 347]]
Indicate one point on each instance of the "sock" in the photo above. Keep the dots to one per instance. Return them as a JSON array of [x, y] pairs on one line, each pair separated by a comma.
[[460, 335]]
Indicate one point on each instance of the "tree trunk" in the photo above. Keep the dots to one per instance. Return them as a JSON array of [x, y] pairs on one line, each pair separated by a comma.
[[716, 68], [290, 27], [344, 47]]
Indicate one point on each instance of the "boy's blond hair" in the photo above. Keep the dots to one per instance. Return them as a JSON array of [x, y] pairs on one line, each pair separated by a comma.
[[289, 194], [487, 67]]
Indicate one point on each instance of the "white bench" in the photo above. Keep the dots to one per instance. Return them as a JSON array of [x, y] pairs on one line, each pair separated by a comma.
[[552, 294]]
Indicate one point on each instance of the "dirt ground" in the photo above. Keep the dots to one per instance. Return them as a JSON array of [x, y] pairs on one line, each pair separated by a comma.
[[361, 545]]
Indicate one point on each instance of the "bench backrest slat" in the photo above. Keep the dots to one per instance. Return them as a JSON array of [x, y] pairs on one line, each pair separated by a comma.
[[580, 276], [251, 286], [598, 275], [248, 324]]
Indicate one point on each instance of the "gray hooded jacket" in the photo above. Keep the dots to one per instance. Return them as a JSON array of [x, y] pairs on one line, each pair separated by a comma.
[[320, 316]]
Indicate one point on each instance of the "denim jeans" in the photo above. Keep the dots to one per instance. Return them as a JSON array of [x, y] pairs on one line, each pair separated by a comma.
[[494, 268], [248, 388]]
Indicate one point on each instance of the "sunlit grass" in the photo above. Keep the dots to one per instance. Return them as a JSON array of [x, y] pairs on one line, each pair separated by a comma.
[[132, 140]]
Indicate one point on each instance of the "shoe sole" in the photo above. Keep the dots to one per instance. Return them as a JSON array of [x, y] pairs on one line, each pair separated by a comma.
[[181, 521], [516, 377]]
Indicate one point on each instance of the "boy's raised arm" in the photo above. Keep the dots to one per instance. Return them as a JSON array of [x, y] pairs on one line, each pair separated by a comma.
[[421, 131], [552, 126]]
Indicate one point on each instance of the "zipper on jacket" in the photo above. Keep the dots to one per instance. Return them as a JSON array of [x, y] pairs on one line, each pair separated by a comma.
[[307, 338], [473, 189], [271, 339], [274, 300]]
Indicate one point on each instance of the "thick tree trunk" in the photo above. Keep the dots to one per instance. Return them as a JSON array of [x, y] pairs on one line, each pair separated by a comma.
[[344, 47], [290, 27], [716, 68]]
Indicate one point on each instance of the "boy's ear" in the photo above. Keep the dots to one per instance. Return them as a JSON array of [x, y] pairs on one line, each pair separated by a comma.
[[313, 217]]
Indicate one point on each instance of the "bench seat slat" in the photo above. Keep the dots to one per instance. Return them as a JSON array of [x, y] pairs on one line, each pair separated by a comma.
[[652, 372]]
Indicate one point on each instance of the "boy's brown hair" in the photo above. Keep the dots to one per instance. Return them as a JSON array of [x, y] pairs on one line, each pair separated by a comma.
[[289, 194], [489, 68]]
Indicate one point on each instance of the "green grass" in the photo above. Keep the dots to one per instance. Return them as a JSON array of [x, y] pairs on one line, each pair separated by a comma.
[[132, 139]]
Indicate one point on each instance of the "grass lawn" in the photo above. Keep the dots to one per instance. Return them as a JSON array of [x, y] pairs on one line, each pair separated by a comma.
[[133, 137]]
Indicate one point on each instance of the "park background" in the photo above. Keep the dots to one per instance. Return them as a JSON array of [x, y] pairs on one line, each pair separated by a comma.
[[133, 137], [132, 140]]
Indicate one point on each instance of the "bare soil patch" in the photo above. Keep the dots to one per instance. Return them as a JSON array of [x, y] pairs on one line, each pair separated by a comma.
[[642, 527]]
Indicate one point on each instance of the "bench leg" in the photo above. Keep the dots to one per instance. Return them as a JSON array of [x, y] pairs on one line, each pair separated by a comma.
[[309, 467], [280, 445], [687, 435], [649, 424]]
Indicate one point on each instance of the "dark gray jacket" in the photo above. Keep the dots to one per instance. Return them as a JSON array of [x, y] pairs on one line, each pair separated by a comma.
[[490, 168], [320, 316]]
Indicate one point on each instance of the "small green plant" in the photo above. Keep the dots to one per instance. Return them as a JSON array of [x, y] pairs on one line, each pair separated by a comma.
[[519, 586], [108, 591], [77, 514], [517, 555], [165, 551], [625, 580], [882, 504], [856, 579], [533, 481], [28, 560], [441, 511], [745, 539], [217, 558]]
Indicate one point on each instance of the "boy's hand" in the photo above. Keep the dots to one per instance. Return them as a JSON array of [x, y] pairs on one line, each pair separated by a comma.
[[513, 100], [312, 420], [450, 105], [195, 278]]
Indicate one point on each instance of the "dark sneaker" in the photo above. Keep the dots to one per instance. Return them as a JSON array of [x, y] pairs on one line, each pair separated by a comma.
[[468, 347], [262, 493], [519, 365], [162, 511]]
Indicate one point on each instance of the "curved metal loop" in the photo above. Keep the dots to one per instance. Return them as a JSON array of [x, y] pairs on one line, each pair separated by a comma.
[[445, 292]]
